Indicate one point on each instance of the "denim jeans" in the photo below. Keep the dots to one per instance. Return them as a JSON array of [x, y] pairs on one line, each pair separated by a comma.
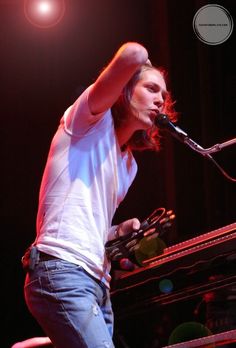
[[73, 308]]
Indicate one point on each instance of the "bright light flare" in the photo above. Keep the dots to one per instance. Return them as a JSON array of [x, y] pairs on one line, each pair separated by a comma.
[[44, 7], [44, 13]]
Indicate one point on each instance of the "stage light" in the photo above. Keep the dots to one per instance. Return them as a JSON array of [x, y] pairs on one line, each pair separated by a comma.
[[44, 13], [44, 7]]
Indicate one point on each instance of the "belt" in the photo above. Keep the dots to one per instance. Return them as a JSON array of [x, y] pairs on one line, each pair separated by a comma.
[[33, 256], [46, 257]]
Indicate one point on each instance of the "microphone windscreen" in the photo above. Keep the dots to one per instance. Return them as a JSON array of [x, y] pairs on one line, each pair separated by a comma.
[[161, 121]]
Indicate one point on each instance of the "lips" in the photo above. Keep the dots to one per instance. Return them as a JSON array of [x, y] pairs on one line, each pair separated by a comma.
[[153, 114], [156, 111]]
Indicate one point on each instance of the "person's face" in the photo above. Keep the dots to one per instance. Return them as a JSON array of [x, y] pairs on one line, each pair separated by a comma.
[[148, 98]]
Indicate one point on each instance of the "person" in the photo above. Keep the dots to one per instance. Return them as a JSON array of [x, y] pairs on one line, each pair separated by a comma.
[[89, 170]]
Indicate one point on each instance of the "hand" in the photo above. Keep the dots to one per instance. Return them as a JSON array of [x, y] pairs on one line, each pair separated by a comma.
[[128, 226]]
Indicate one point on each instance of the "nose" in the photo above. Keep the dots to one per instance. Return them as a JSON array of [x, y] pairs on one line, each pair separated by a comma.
[[159, 100]]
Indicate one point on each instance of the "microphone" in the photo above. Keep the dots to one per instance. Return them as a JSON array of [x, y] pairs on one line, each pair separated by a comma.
[[162, 121]]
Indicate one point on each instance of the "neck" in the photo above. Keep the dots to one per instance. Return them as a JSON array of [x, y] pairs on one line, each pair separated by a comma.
[[123, 135]]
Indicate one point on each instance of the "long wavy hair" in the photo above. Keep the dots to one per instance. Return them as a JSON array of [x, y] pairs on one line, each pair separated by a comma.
[[141, 139]]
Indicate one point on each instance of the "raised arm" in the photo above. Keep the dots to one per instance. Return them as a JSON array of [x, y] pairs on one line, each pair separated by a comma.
[[108, 86]]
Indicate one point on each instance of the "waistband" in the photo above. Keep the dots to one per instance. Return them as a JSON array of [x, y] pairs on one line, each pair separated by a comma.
[[33, 256], [46, 257]]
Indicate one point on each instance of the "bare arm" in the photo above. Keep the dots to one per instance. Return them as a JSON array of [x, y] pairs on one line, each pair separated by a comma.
[[108, 86], [33, 342]]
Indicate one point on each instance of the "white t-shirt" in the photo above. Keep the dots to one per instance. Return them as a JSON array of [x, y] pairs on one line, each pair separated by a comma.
[[85, 178]]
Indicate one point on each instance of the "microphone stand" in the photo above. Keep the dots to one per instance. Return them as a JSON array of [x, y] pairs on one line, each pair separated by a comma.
[[212, 149], [162, 121], [207, 152]]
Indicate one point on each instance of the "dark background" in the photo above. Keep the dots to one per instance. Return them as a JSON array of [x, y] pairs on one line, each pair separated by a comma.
[[44, 70]]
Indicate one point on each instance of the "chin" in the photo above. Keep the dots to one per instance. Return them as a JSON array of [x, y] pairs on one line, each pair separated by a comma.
[[145, 123], [149, 123]]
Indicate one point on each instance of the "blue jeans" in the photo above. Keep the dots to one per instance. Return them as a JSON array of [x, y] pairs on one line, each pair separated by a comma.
[[73, 308]]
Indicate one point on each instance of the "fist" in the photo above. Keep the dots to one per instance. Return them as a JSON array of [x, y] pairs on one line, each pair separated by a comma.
[[128, 226]]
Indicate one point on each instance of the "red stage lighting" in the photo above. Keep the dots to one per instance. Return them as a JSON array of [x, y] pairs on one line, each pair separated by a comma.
[[44, 13]]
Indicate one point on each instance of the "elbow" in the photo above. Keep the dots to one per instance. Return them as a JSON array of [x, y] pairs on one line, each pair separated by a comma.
[[134, 53]]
